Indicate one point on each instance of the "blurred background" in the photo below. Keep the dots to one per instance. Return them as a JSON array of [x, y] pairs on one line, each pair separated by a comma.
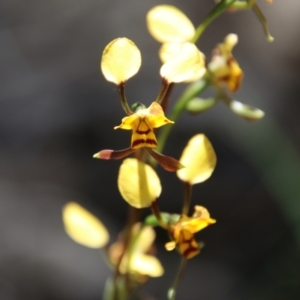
[[57, 110]]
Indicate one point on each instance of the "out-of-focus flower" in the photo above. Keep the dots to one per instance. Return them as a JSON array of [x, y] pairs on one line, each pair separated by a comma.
[[199, 159], [83, 227], [138, 183], [166, 23], [142, 124], [185, 63], [121, 59], [223, 66], [171, 27], [138, 259], [184, 229]]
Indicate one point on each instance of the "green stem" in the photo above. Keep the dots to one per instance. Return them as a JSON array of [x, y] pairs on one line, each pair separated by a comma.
[[218, 9], [172, 290], [124, 102], [192, 91], [187, 198], [263, 21], [240, 5]]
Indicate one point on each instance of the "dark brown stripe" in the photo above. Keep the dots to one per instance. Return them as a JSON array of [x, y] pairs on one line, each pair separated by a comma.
[[151, 142], [137, 142], [143, 132], [189, 251]]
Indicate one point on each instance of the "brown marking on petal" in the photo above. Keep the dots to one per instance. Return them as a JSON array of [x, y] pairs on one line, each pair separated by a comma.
[[143, 132], [137, 143], [187, 241], [230, 60], [224, 78], [143, 123], [151, 142], [144, 143], [190, 252], [237, 82]]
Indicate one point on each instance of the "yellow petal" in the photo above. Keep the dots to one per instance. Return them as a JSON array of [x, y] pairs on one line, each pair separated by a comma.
[[184, 66], [199, 159], [146, 265], [138, 183], [195, 225], [156, 116], [170, 246], [129, 122], [145, 240], [167, 23], [121, 59], [169, 50], [83, 227], [200, 212], [155, 109]]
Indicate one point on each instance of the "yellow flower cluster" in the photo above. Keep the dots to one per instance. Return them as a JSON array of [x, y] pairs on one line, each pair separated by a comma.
[[171, 27]]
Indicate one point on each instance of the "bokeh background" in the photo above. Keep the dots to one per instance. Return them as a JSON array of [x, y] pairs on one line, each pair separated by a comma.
[[56, 111]]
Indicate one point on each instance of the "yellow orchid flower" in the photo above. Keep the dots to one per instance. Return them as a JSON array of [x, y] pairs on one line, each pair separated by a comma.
[[83, 227], [223, 66], [184, 229], [142, 123], [138, 260]]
